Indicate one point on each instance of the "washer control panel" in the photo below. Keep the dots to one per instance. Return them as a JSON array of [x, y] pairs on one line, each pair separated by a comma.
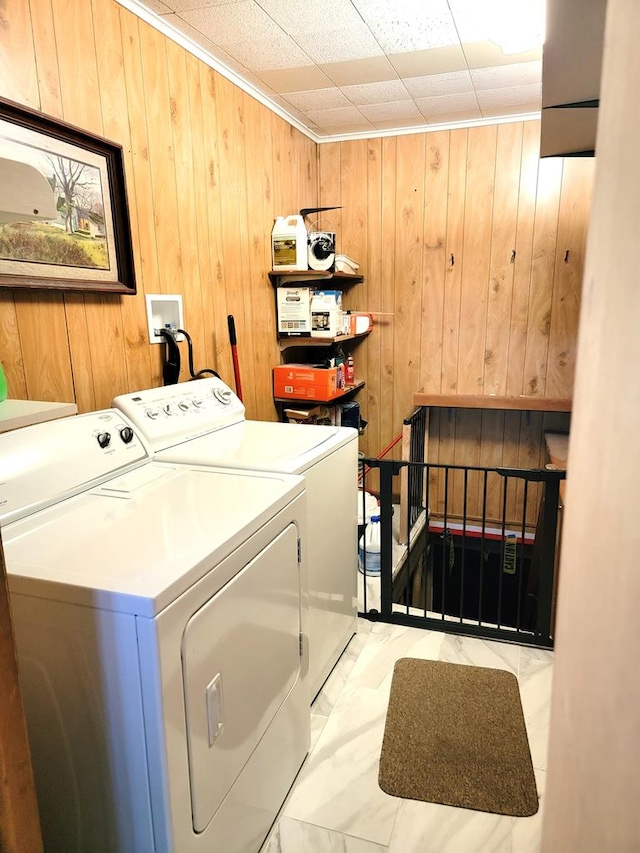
[[175, 413]]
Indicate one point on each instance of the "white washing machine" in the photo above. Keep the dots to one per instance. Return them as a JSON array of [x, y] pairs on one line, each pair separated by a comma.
[[203, 422], [160, 622]]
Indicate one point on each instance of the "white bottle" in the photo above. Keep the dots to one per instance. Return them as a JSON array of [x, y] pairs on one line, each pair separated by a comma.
[[289, 244], [370, 547]]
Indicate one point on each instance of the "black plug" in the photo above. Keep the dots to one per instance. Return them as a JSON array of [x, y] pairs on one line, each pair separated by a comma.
[[171, 366]]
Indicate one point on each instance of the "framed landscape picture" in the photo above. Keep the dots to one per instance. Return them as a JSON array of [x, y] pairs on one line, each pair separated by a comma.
[[64, 218]]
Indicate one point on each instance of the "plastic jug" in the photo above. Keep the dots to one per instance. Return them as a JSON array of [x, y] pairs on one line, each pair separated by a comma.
[[289, 243], [369, 552]]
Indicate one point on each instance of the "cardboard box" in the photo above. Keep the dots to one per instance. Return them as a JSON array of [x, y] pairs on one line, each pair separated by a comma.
[[294, 311], [325, 415], [305, 382]]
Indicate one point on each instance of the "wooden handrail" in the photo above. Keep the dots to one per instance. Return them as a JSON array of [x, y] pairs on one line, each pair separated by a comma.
[[480, 401]]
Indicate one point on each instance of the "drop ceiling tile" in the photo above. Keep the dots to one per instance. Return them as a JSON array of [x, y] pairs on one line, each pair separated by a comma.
[[244, 21], [400, 123], [183, 5], [462, 117], [439, 60], [340, 115], [313, 16], [447, 104], [295, 79], [316, 99], [178, 24], [485, 53], [401, 109], [516, 110], [509, 97], [335, 46], [158, 6], [302, 117], [517, 74], [376, 93], [453, 83], [344, 129], [280, 52], [401, 27], [357, 71]]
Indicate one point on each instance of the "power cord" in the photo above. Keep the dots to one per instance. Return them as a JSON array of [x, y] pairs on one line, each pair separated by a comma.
[[203, 372], [172, 365]]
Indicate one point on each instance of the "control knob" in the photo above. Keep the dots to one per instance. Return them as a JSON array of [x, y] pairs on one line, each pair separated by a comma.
[[152, 413], [184, 406], [223, 395], [168, 408], [126, 434], [104, 439]]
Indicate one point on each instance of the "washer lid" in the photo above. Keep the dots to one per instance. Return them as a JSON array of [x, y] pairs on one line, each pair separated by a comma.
[[137, 542], [262, 446]]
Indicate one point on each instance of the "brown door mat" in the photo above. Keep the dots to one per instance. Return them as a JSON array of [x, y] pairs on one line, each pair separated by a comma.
[[455, 735]]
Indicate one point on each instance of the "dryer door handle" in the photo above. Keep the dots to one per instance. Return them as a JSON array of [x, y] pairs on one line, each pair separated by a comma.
[[215, 708]]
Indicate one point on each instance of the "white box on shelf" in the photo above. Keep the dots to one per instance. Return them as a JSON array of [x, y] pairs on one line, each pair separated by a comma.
[[294, 311]]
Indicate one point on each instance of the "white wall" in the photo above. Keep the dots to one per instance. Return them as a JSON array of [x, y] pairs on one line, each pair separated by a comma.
[[593, 786]]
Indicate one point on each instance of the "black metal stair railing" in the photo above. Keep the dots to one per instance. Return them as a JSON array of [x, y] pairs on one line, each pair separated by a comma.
[[479, 558]]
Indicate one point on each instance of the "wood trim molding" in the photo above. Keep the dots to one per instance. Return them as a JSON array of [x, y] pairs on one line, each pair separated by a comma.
[[479, 401]]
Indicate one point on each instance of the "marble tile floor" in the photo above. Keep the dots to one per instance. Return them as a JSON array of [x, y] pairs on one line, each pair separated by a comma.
[[335, 804]]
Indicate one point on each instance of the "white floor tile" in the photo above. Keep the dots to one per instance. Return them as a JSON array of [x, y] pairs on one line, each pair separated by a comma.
[[338, 786], [336, 803], [293, 836], [429, 828]]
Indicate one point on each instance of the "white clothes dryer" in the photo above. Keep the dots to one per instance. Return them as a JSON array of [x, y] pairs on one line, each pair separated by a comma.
[[160, 616], [203, 422]]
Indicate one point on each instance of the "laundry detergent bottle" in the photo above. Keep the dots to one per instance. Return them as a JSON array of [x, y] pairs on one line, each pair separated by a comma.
[[289, 244]]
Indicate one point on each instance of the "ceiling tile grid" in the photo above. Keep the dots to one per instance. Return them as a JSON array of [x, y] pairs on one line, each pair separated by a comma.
[[352, 67]]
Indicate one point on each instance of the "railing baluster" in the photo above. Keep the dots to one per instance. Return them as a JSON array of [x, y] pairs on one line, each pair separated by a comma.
[[464, 540], [444, 534], [484, 524], [522, 544]]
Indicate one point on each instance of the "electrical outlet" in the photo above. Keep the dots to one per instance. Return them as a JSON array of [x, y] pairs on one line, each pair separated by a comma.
[[163, 311]]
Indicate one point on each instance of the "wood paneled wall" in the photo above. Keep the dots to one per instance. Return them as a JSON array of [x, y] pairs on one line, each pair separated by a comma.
[[473, 253], [471, 247], [207, 167]]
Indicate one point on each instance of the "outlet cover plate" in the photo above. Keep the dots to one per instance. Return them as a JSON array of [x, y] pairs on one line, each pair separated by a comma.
[[163, 311]]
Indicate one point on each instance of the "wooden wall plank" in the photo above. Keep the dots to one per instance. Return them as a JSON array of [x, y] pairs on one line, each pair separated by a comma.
[[11, 354], [367, 355], [18, 73], [478, 211], [222, 362], [259, 295], [410, 172], [453, 273], [384, 322], [42, 328], [131, 330], [203, 300], [575, 201], [503, 245], [524, 255], [231, 174], [541, 291], [187, 222], [46, 57], [434, 260]]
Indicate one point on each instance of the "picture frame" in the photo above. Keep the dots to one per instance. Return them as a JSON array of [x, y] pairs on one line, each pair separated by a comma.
[[64, 216]]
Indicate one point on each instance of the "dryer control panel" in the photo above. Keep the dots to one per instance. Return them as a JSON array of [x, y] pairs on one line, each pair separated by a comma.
[[176, 413], [45, 463]]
